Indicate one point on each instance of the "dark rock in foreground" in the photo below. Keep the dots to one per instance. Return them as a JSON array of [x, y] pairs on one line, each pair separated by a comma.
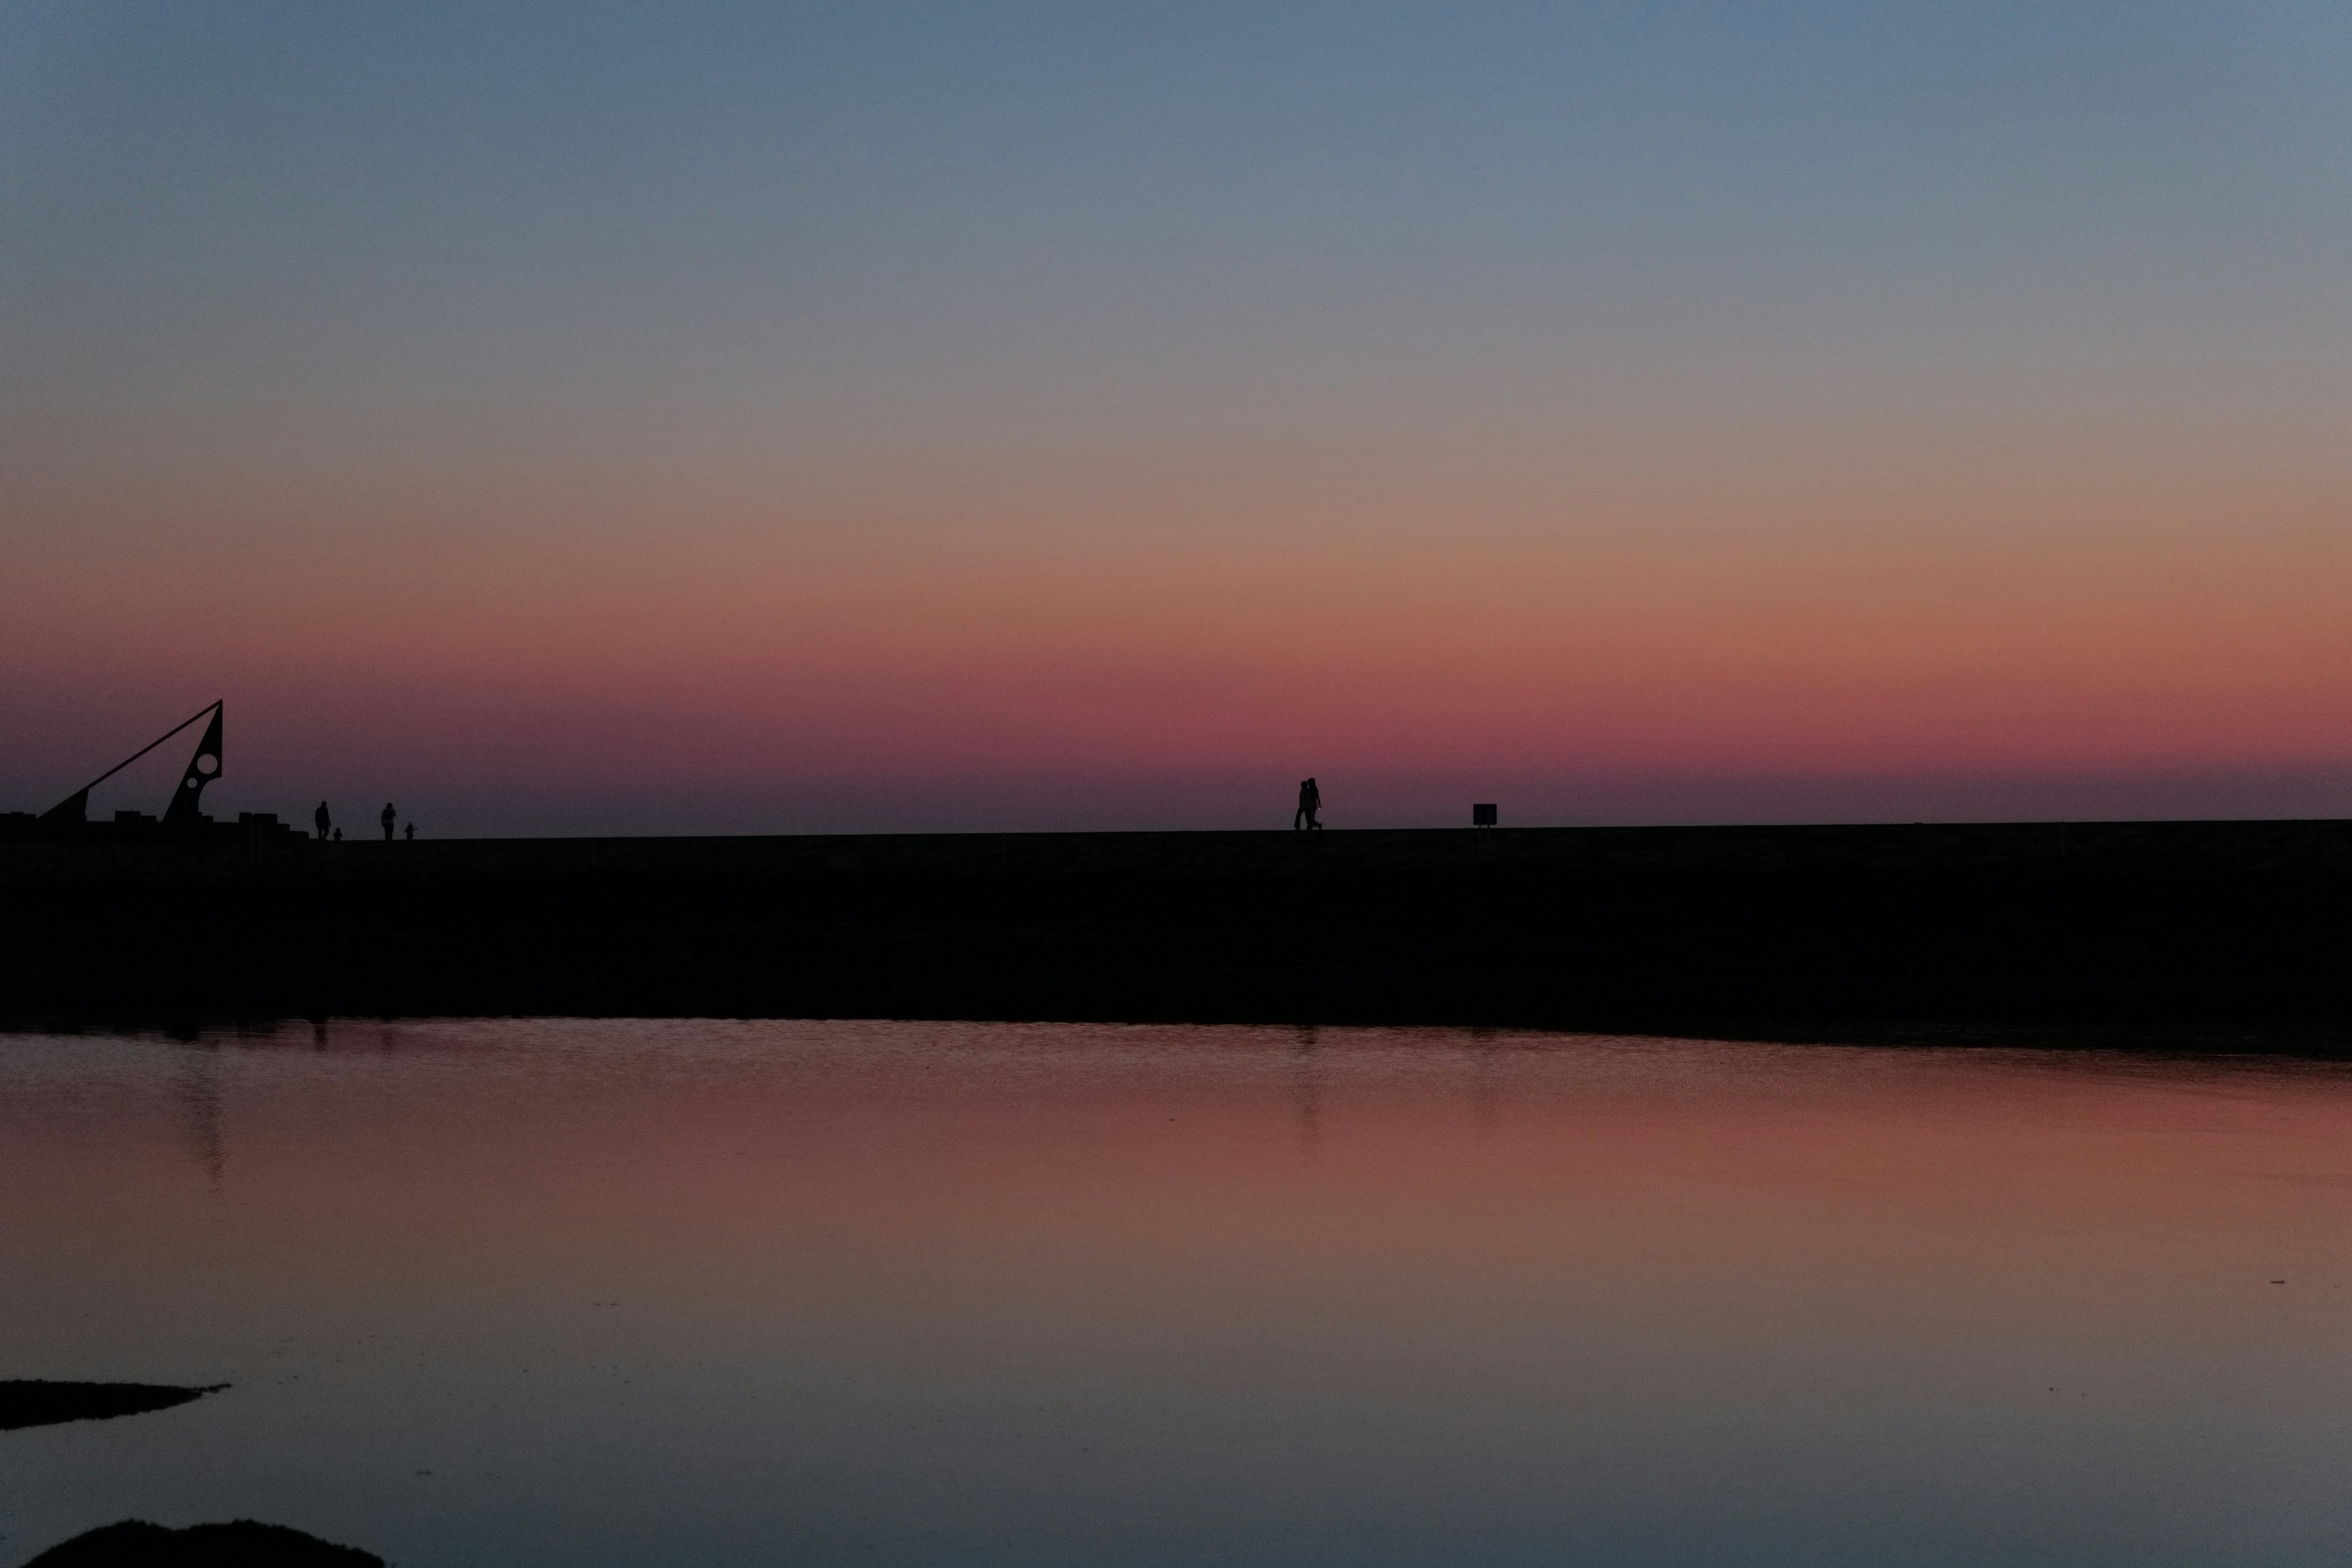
[[135, 1543], [28, 1402], [2186, 933]]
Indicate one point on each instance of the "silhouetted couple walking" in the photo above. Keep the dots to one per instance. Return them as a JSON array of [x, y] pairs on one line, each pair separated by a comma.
[[1311, 801]]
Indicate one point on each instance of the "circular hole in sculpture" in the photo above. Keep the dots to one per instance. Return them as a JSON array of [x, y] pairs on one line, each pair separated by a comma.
[[207, 764]]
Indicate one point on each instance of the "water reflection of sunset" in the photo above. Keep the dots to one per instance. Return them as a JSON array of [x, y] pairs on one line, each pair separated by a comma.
[[1515, 1285]]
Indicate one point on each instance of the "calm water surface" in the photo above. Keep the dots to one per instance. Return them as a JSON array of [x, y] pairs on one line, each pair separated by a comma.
[[713, 1293]]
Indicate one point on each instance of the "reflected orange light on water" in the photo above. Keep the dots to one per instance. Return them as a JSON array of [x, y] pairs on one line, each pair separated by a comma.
[[841, 1281]]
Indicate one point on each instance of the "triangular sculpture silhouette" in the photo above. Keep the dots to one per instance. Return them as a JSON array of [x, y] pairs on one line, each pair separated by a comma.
[[203, 768]]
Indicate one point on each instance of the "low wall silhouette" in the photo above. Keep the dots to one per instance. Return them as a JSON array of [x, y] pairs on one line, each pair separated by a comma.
[[2135, 930]]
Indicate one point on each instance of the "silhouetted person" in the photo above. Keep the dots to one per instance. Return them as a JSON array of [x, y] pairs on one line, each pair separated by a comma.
[[326, 823], [409, 833], [1311, 801], [390, 817], [339, 835]]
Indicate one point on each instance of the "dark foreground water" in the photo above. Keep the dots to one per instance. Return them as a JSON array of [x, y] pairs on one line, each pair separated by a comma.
[[716, 1293]]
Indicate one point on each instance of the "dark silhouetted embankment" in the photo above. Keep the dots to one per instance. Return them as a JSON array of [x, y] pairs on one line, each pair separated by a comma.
[[2207, 928], [241, 1544], [29, 1402]]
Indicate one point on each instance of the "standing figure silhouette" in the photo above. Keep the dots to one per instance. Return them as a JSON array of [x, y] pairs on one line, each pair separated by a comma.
[[1311, 801], [326, 823], [389, 817]]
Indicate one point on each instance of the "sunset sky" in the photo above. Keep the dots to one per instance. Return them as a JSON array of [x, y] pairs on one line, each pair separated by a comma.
[[793, 418]]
